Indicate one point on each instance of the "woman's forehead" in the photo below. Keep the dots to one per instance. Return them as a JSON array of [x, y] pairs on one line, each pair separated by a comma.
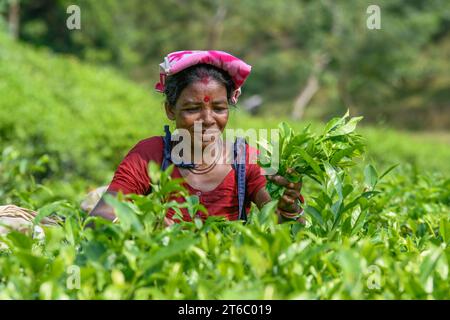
[[199, 89]]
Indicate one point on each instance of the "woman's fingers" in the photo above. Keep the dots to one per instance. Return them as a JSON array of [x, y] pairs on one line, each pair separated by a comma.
[[288, 203], [287, 199], [290, 170], [295, 194], [282, 181]]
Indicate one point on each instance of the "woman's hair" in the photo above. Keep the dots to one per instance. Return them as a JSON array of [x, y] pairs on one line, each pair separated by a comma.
[[176, 83]]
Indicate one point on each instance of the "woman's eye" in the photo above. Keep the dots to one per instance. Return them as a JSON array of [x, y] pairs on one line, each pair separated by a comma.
[[192, 110], [221, 109]]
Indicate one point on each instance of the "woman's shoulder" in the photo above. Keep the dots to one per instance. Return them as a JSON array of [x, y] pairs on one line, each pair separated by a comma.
[[150, 148], [149, 142]]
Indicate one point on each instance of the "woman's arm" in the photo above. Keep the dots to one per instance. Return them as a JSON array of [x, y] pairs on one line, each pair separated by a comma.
[[262, 197], [288, 205], [104, 210]]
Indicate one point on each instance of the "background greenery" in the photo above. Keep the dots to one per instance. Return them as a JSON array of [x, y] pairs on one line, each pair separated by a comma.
[[396, 75]]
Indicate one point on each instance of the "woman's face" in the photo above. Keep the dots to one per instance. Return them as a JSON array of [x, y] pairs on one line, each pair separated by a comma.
[[204, 102]]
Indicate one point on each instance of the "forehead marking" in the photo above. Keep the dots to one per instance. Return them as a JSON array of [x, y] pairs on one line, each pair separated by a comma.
[[205, 79]]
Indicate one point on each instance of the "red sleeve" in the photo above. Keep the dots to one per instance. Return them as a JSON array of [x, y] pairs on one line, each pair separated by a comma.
[[255, 179], [132, 176]]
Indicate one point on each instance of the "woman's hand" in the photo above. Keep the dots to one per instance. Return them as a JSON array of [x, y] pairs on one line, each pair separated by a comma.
[[289, 204], [168, 222]]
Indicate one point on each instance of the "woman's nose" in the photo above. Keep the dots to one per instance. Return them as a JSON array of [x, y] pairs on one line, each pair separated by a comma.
[[207, 117]]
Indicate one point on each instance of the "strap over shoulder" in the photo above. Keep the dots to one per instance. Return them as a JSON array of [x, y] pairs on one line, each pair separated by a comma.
[[166, 152], [167, 160], [240, 150]]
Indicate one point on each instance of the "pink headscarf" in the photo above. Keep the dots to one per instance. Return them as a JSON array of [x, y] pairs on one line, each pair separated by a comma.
[[180, 60]]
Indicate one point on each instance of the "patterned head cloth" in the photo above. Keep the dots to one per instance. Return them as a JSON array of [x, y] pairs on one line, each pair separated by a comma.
[[180, 60]]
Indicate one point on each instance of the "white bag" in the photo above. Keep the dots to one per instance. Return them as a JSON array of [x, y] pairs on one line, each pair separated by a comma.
[[93, 198]]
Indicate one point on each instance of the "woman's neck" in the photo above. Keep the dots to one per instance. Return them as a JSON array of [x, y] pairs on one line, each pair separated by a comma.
[[208, 155]]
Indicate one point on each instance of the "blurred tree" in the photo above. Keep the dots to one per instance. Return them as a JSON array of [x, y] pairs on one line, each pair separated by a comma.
[[14, 18], [304, 53]]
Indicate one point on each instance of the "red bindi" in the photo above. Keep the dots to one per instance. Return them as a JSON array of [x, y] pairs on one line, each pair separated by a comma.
[[206, 99]]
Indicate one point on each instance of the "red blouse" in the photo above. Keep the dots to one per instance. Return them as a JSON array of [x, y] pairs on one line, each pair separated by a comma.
[[131, 177]]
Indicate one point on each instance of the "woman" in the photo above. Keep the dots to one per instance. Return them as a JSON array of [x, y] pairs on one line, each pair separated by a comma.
[[199, 87]]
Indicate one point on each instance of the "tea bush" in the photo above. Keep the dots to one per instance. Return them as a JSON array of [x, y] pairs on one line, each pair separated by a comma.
[[65, 126], [82, 117], [364, 238]]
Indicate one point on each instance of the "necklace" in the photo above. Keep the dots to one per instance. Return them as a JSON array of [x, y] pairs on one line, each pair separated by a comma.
[[211, 166]]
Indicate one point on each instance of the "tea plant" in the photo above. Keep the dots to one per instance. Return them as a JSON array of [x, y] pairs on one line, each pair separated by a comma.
[[366, 238]]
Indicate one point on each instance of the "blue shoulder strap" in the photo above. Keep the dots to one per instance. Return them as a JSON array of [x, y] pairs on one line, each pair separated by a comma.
[[167, 150], [239, 166], [166, 154]]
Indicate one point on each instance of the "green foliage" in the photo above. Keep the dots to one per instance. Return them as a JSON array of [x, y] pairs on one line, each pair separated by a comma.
[[337, 206], [369, 235], [311, 155], [81, 119], [18, 177], [396, 74], [355, 245]]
